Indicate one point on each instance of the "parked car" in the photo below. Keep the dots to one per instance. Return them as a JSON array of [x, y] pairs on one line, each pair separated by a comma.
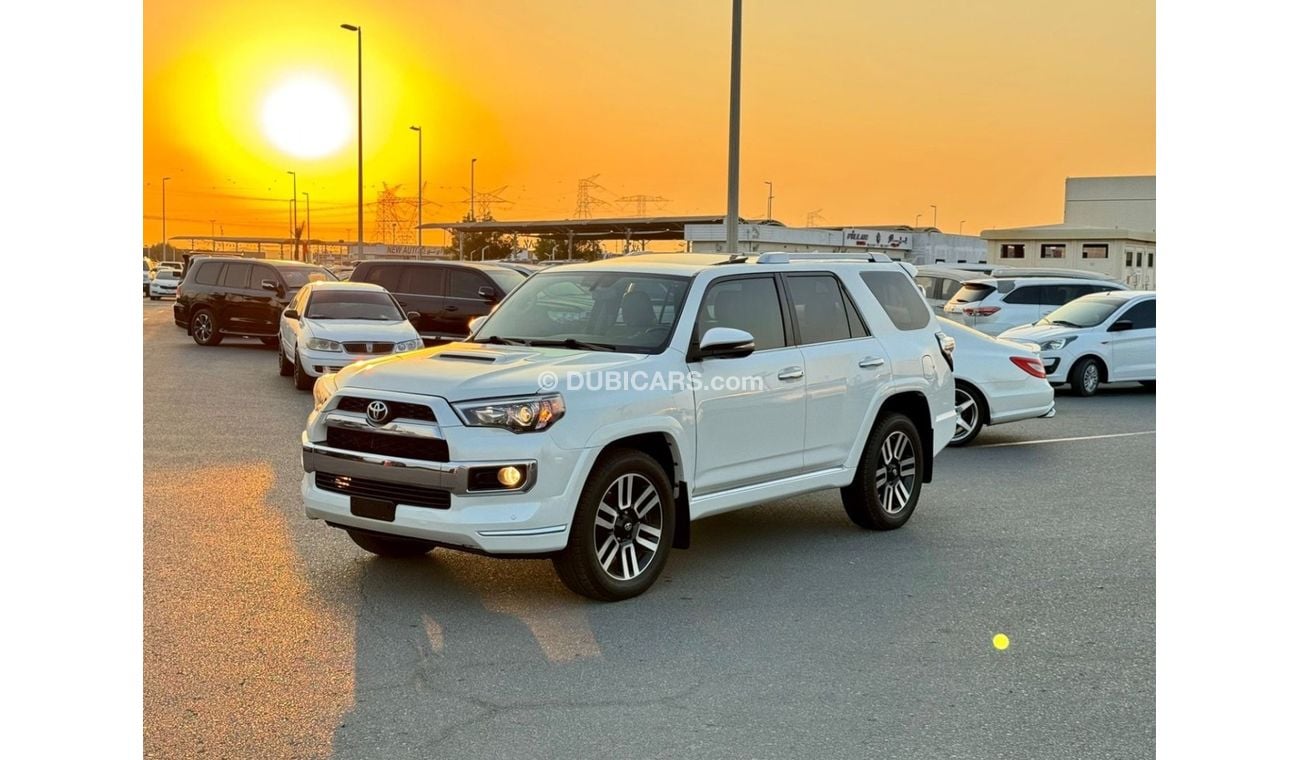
[[994, 305], [175, 266], [1099, 338], [164, 282], [149, 267], [329, 325], [940, 283], [997, 381], [446, 294], [793, 374], [527, 270], [226, 296]]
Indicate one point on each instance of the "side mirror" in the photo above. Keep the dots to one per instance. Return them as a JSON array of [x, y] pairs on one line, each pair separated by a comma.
[[475, 323], [487, 294], [271, 285], [1121, 326], [291, 314], [413, 316], [726, 343]]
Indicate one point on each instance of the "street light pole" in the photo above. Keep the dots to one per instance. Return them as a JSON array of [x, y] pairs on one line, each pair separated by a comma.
[[960, 225], [472, 199], [293, 213], [307, 245], [360, 185], [917, 222], [419, 183], [769, 200], [164, 218], [935, 224], [733, 136]]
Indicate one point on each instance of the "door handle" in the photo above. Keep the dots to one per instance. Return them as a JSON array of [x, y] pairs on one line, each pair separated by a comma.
[[790, 373], [871, 361]]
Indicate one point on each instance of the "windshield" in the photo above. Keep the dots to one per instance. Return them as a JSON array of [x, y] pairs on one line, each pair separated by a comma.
[[353, 304], [1083, 312], [296, 277], [610, 311], [166, 273]]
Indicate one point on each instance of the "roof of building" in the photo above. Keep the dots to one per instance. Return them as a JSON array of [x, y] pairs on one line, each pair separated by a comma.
[[1067, 232], [616, 228]]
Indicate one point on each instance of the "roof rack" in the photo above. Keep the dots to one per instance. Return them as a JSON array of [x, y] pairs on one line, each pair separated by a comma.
[[785, 257], [1078, 274]]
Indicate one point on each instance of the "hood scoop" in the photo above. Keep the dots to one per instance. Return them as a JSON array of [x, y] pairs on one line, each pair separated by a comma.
[[488, 358]]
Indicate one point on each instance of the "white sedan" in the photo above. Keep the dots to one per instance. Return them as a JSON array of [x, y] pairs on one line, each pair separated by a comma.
[[1099, 338], [164, 283], [997, 381], [329, 325]]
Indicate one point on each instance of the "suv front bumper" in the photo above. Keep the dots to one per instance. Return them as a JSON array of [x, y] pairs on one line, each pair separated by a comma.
[[531, 519]]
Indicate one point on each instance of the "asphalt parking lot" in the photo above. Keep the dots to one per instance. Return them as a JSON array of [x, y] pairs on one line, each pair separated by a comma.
[[785, 631]]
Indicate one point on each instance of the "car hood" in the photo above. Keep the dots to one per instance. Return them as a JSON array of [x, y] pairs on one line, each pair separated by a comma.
[[1040, 333], [461, 371], [347, 330]]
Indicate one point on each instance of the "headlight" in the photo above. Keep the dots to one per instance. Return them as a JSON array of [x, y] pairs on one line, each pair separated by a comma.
[[321, 344], [324, 388], [519, 415], [408, 345], [1056, 344]]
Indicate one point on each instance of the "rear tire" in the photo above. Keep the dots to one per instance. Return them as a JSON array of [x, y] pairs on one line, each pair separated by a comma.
[[395, 547], [1085, 377], [971, 415], [887, 486], [286, 367], [622, 530], [301, 380], [203, 326]]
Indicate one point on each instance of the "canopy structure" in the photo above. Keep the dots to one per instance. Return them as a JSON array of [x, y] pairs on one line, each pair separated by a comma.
[[625, 228]]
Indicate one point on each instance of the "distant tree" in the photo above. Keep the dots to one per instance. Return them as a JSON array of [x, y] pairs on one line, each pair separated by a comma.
[[158, 252], [546, 249], [482, 246]]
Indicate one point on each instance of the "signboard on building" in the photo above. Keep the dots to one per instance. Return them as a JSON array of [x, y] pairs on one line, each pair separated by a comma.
[[882, 239]]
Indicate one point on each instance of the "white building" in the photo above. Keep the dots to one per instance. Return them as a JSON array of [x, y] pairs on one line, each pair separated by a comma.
[[925, 245], [1109, 228]]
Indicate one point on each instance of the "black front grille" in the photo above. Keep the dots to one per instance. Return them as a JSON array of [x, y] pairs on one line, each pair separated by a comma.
[[385, 444], [375, 489], [373, 348], [397, 410]]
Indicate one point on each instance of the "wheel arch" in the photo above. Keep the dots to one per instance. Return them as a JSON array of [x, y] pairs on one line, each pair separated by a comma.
[[1101, 364], [916, 407], [662, 446]]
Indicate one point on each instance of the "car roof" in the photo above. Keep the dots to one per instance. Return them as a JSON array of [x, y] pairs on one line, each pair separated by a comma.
[[956, 274], [771, 261], [993, 281], [272, 262], [344, 285], [485, 265], [1127, 295]]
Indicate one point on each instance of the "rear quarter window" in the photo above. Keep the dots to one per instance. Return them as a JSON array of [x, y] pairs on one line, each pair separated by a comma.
[[899, 298], [208, 273]]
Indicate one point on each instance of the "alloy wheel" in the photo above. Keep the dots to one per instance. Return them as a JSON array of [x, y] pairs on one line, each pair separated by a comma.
[[1091, 378], [896, 475], [968, 415], [629, 527], [203, 327]]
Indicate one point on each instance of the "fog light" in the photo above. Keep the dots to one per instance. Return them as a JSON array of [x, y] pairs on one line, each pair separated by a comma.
[[509, 476]]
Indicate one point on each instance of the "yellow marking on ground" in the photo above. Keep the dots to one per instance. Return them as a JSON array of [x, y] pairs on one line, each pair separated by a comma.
[[1000, 641]]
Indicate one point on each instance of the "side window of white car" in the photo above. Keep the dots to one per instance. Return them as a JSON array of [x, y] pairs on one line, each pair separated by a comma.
[[1142, 315], [746, 303]]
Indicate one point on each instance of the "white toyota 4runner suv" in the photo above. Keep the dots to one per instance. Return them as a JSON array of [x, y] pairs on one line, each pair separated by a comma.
[[602, 407]]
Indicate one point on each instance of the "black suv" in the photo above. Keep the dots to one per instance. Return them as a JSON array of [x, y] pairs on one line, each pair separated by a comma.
[[226, 296], [447, 294]]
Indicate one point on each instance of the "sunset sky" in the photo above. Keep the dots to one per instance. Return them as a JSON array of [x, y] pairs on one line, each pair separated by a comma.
[[863, 110]]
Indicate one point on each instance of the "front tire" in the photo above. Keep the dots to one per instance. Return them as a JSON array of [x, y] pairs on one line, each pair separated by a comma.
[[203, 326], [887, 486], [301, 380], [971, 415], [286, 367], [1085, 377], [395, 547], [622, 529]]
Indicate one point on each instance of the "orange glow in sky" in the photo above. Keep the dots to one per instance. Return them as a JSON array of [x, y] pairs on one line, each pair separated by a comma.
[[863, 111]]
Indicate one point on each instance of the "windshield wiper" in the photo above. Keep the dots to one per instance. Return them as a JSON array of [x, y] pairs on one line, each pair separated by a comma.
[[575, 343], [500, 341]]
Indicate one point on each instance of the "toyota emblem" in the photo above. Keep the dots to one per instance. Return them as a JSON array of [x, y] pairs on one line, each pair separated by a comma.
[[377, 412]]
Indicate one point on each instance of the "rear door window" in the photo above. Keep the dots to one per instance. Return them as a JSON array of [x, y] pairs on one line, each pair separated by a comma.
[[949, 288], [464, 283], [819, 309], [928, 285], [261, 273], [236, 276], [423, 281], [387, 277], [900, 300], [1026, 294]]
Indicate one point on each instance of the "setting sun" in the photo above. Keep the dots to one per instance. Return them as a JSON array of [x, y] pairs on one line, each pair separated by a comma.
[[306, 117]]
